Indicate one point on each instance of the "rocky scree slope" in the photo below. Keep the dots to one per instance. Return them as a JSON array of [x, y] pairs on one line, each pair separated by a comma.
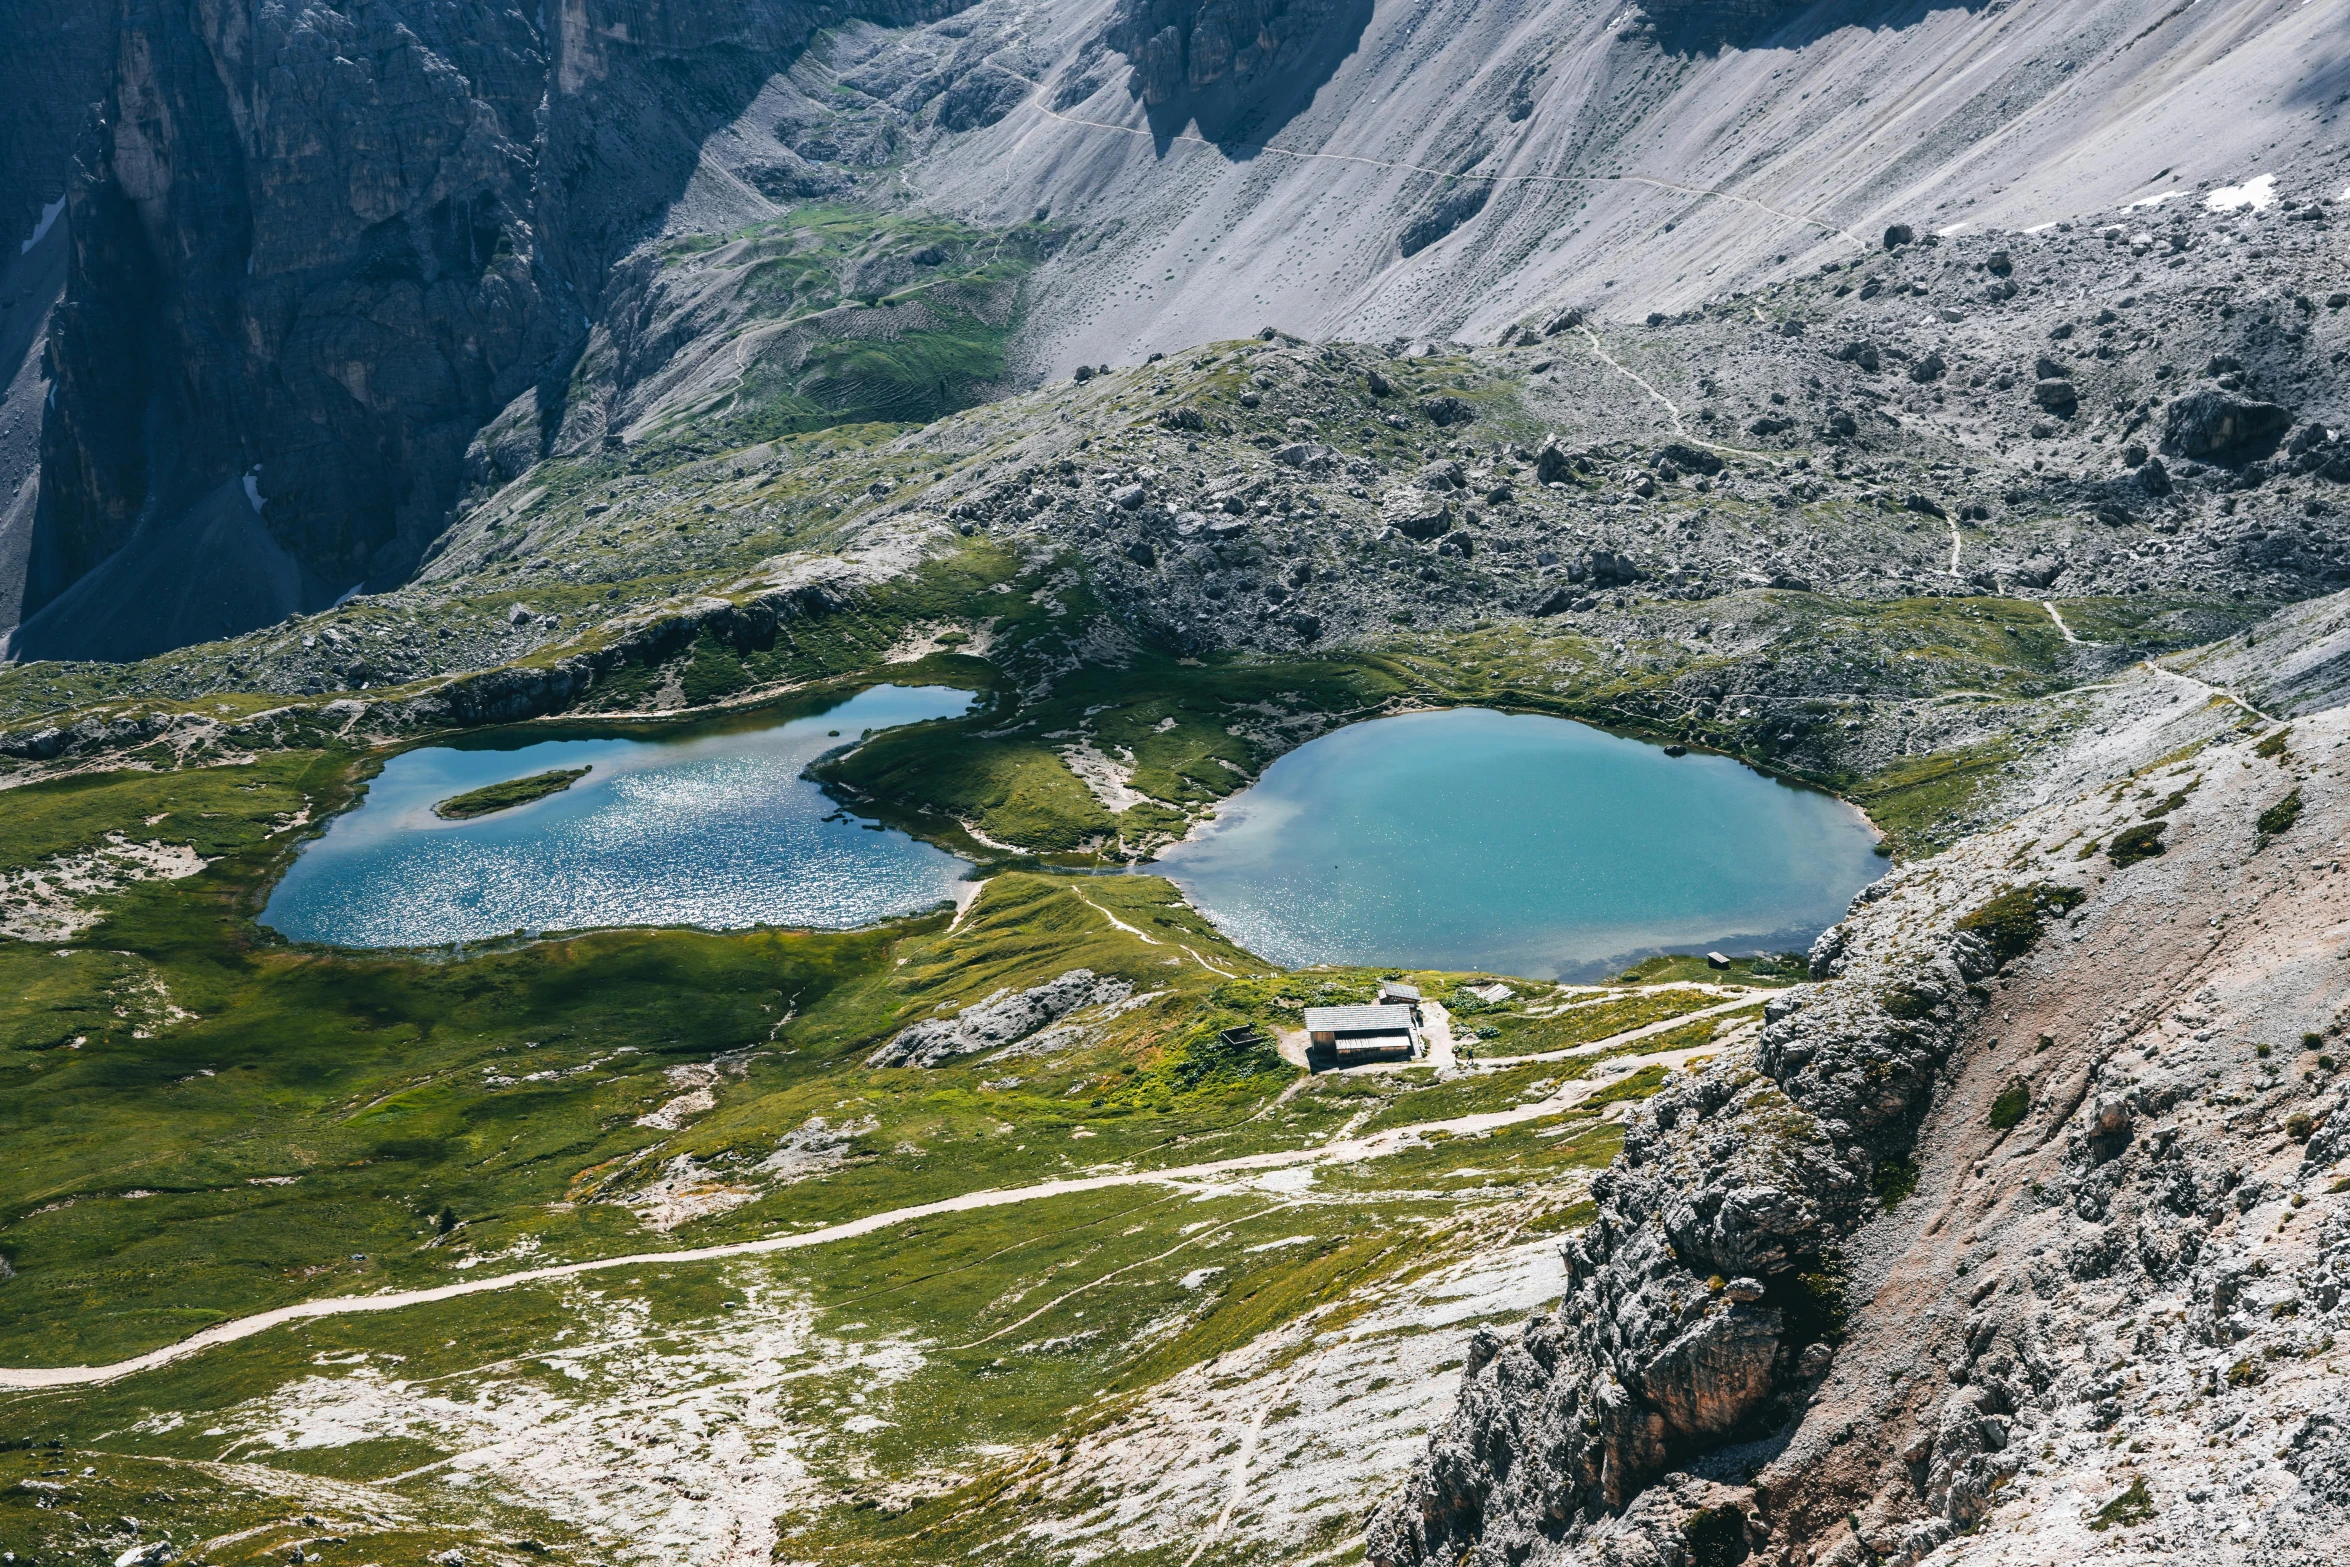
[[2021, 1236], [1652, 494], [409, 227], [1439, 170]]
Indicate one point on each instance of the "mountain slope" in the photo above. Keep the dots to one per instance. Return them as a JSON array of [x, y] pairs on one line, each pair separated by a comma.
[[262, 287], [2049, 1163], [1466, 165]]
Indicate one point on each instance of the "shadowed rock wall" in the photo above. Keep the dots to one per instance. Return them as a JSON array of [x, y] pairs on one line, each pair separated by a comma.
[[317, 248]]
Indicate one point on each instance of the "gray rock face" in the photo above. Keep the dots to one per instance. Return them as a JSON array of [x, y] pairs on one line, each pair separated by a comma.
[[1184, 46], [320, 248], [1700, 1299], [1004, 1018], [2217, 426], [52, 76]]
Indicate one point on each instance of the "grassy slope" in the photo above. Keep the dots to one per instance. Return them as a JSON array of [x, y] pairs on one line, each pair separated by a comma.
[[169, 1170], [280, 1109]]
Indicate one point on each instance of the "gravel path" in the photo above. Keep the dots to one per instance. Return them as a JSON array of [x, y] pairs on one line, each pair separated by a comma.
[[1350, 1150]]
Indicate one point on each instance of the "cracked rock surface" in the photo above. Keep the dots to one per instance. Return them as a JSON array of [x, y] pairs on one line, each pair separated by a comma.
[[2020, 1237]]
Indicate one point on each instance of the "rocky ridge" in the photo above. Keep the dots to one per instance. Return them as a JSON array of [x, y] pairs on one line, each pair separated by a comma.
[[1005, 1017], [2048, 1162]]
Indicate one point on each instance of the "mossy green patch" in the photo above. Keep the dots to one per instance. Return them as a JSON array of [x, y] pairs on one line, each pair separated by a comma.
[[2134, 1506], [2011, 923], [2012, 1105], [2141, 842], [2280, 817]]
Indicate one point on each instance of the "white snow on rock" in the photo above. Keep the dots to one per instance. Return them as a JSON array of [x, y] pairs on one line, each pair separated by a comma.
[[49, 216], [2254, 195]]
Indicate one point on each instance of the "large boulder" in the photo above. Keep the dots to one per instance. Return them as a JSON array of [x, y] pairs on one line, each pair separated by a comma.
[[2057, 395], [1416, 513], [1004, 1018], [2221, 427], [1688, 458]]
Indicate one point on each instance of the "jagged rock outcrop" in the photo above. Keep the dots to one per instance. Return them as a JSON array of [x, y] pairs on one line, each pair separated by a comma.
[[1186, 46], [2217, 426], [2036, 1165], [1705, 1293], [316, 249], [1004, 1018]]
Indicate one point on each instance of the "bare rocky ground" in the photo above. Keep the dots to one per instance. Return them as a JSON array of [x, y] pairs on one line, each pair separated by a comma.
[[2021, 1236], [1688, 500]]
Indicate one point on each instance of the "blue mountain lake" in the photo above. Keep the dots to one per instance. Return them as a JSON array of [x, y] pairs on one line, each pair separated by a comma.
[[1516, 844], [716, 829]]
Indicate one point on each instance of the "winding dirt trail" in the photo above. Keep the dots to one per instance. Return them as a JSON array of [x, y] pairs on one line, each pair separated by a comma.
[[1346, 1151], [2207, 689], [1628, 1036], [1672, 409]]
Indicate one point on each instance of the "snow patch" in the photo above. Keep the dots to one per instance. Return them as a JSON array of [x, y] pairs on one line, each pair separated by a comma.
[[2254, 195], [2155, 200], [49, 216], [1283, 1243]]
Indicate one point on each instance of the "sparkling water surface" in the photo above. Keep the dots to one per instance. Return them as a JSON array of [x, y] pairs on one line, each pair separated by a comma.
[[719, 831], [1517, 844]]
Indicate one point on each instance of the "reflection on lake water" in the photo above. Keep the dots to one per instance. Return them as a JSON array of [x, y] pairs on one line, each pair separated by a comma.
[[719, 831]]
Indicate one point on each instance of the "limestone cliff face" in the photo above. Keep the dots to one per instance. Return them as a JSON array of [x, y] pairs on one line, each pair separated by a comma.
[[52, 76], [316, 248], [1180, 46], [2023, 1234], [1702, 1301]]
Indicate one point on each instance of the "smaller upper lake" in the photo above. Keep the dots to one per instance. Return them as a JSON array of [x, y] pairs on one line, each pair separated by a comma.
[[717, 830], [1517, 844]]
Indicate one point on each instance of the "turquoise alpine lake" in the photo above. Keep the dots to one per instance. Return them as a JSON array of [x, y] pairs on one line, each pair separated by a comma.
[[713, 829], [1516, 844]]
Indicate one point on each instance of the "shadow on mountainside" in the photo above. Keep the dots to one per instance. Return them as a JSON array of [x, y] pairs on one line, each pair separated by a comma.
[[253, 320], [1686, 27], [1236, 72]]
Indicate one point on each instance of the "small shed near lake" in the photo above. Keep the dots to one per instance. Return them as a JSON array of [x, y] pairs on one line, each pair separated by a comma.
[[1356, 1034]]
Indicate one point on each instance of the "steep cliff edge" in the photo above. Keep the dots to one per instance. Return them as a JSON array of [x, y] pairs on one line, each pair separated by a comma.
[[2020, 1238], [52, 76], [316, 250]]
